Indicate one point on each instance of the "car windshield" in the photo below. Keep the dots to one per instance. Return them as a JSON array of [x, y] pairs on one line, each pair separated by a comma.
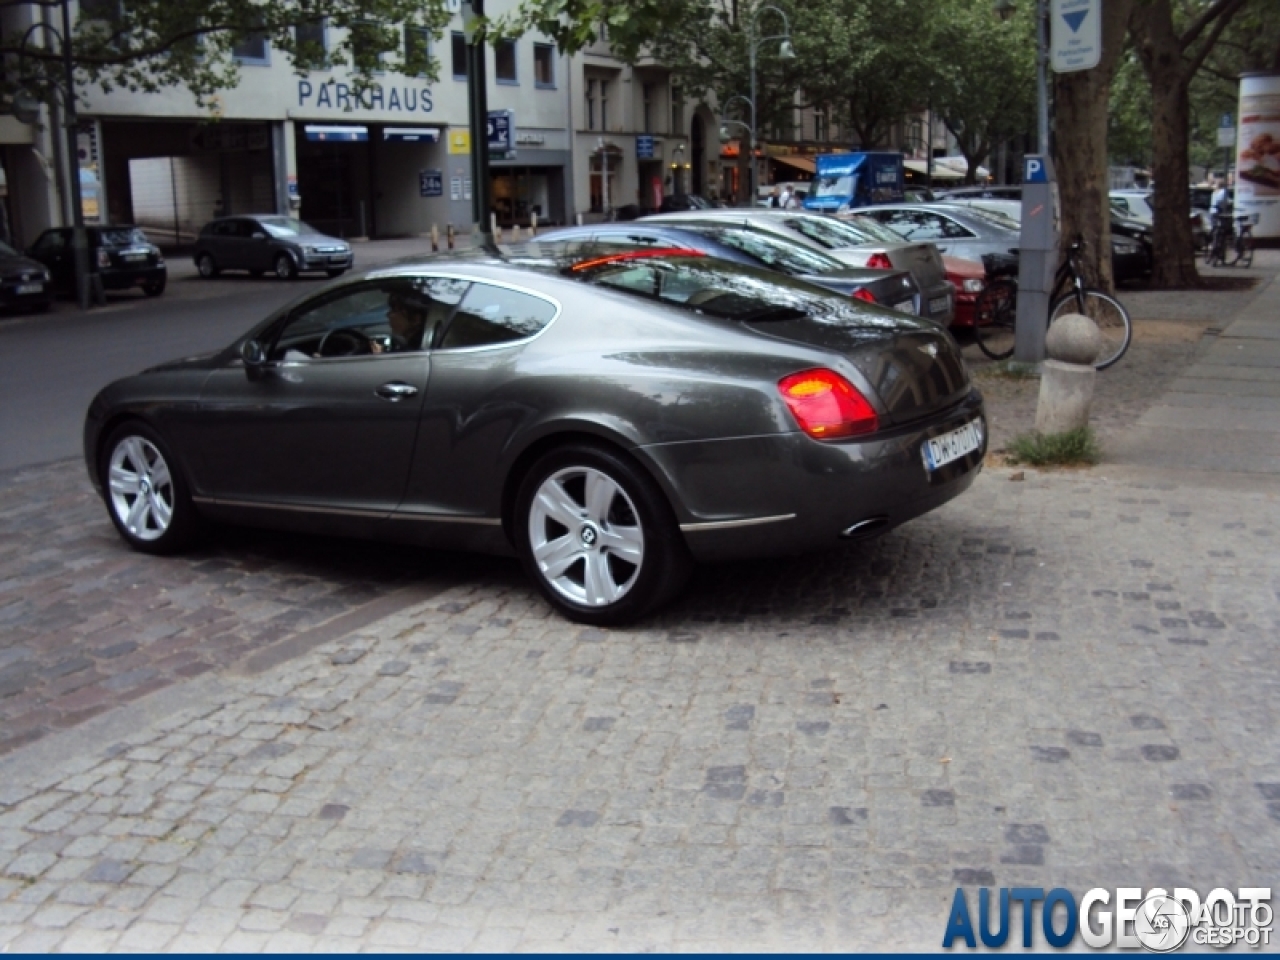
[[835, 234], [288, 227], [776, 253], [732, 291], [122, 236], [994, 218], [833, 187], [6, 250]]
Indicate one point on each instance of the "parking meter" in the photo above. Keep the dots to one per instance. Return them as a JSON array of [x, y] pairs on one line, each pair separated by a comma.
[[1037, 257]]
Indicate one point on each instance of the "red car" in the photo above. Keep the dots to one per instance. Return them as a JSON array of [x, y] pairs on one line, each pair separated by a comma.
[[969, 278]]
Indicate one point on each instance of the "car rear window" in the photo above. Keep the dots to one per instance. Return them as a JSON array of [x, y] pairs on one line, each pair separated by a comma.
[[122, 237], [776, 253]]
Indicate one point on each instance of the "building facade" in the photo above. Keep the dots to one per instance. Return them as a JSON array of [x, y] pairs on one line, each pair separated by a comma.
[[584, 134]]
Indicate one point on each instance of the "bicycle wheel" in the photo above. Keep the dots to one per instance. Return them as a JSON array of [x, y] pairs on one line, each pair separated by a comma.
[[995, 312], [1110, 316], [1214, 254], [1244, 250]]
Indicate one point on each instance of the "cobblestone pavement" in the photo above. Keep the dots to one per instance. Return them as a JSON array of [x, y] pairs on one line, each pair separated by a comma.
[[1064, 681]]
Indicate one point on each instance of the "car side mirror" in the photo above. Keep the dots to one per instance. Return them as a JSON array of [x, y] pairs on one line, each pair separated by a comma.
[[252, 354]]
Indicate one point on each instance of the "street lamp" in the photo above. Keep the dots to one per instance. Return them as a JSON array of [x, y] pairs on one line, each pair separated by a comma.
[[71, 123], [785, 52], [1005, 9]]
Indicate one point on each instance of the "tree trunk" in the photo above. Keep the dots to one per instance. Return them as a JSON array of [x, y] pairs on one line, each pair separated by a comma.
[[1173, 247], [1080, 101]]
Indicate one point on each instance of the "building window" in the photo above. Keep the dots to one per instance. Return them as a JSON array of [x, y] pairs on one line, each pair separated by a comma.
[[251, 48], [544, 65], [504, 62], [604, 105], [677, 110], [313, 44], [591, 104], [417, 50], [459, 56], [821, 130], [646, 92]]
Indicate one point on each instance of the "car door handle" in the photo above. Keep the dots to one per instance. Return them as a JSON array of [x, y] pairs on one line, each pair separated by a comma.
[[396, 391]]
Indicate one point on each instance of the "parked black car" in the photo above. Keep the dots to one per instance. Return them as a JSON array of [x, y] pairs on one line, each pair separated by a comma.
[[24, 283], [263, 242], [120, 258]]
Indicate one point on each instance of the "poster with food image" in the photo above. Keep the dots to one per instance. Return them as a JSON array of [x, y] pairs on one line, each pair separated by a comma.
[[1258, 153]]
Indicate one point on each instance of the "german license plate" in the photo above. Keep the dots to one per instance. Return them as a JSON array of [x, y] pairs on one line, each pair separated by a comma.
[[906, 306], [25, 288], [942, 450], [939, 304], [132, 257]]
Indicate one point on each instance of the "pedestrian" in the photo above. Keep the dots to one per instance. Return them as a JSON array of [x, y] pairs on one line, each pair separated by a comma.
[[774, 199], [786, 200], [1220, 203]]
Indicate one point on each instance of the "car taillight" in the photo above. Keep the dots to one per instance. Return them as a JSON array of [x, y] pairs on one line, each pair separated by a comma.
[[104, 258], [826, 405], [862, 293], [879, 261]]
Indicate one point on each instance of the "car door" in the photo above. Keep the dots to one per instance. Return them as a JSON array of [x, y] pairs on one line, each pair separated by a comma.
[[471, 413], [255, 244], [316, 428], [53, 249]]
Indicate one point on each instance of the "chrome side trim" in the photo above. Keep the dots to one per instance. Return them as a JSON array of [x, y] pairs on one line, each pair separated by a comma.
[[370, 514], [295, 508], [731, 524]]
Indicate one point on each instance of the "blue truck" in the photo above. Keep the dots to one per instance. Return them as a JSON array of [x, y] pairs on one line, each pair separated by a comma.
[[844, 180]]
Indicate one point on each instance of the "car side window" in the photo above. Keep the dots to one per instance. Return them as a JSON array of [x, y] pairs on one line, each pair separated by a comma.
[[51, 242], [245, 229], [491, 315], [949, 229]]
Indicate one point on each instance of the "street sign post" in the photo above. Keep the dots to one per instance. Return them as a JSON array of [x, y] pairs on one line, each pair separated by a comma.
[[1227, 131], [1075, 35]]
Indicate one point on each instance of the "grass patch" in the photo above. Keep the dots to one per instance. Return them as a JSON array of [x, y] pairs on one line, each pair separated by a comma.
[[1055, 449]]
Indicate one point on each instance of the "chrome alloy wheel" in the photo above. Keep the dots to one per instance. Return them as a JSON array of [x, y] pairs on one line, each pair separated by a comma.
[[141, 488], [586, 537]]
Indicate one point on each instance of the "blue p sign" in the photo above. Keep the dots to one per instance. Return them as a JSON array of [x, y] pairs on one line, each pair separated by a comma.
[[1033, 170]]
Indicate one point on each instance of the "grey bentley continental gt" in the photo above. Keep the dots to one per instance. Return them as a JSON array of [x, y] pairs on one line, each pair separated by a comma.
[[607, 415]]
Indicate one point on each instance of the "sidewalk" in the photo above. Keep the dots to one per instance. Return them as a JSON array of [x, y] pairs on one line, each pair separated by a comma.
[[1222, 414]]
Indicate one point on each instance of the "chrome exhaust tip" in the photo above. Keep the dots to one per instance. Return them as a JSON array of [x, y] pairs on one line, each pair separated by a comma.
[[865, 528]]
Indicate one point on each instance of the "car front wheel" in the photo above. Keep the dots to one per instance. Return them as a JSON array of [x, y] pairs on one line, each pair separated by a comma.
[[147, 497], [598, 537], [286, 269]]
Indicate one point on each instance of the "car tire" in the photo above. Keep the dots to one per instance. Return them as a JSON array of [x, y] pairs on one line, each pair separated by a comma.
[[145, 492], [154, 288], [207, 266], [597, 536], [285, 268], [335, 273]]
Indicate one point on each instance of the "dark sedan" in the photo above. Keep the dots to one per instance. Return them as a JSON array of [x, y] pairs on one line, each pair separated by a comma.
[[24, 283], [120, 258], [608, 420], [282, 245], [895, 289]]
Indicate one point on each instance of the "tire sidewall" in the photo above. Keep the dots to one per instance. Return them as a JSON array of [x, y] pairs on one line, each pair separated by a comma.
[[665, 562], [211, 270], [291, 269], [182, 526]]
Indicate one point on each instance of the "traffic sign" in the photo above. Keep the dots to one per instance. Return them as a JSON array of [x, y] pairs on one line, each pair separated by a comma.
[[1227, 131], [1075, 35]]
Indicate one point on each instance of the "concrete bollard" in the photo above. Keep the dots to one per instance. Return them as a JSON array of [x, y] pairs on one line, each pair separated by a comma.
[[578, 218], [435, 239], [533, 225], [1067, 378], [448, 234]]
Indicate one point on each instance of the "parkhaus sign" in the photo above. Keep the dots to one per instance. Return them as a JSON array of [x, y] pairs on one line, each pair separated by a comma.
[[342, 98]]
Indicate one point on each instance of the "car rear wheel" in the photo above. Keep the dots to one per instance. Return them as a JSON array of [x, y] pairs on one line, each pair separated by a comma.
[[286, 269], [153, 288], [207, 266], [146, 494], [598, 537]]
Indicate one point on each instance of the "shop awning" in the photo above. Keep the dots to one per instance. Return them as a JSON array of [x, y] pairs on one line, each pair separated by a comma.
[[331, 132], [799, 163], [411, 134]]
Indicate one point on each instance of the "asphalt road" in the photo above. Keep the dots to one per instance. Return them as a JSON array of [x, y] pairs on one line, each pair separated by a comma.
[[51, 365]]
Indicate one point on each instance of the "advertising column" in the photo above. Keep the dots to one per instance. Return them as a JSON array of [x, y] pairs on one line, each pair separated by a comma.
[[1258, 153]]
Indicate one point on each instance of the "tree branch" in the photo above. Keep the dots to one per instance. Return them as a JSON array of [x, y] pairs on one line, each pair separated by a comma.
[[1229, 9], [1206, 17]]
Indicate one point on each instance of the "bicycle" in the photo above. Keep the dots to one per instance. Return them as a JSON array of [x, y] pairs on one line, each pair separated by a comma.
[[1232, 241], [996, 309]]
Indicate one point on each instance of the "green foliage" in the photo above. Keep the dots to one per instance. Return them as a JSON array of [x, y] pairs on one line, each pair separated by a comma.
[[146, 45], [1055, 449], [1129, 116]]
